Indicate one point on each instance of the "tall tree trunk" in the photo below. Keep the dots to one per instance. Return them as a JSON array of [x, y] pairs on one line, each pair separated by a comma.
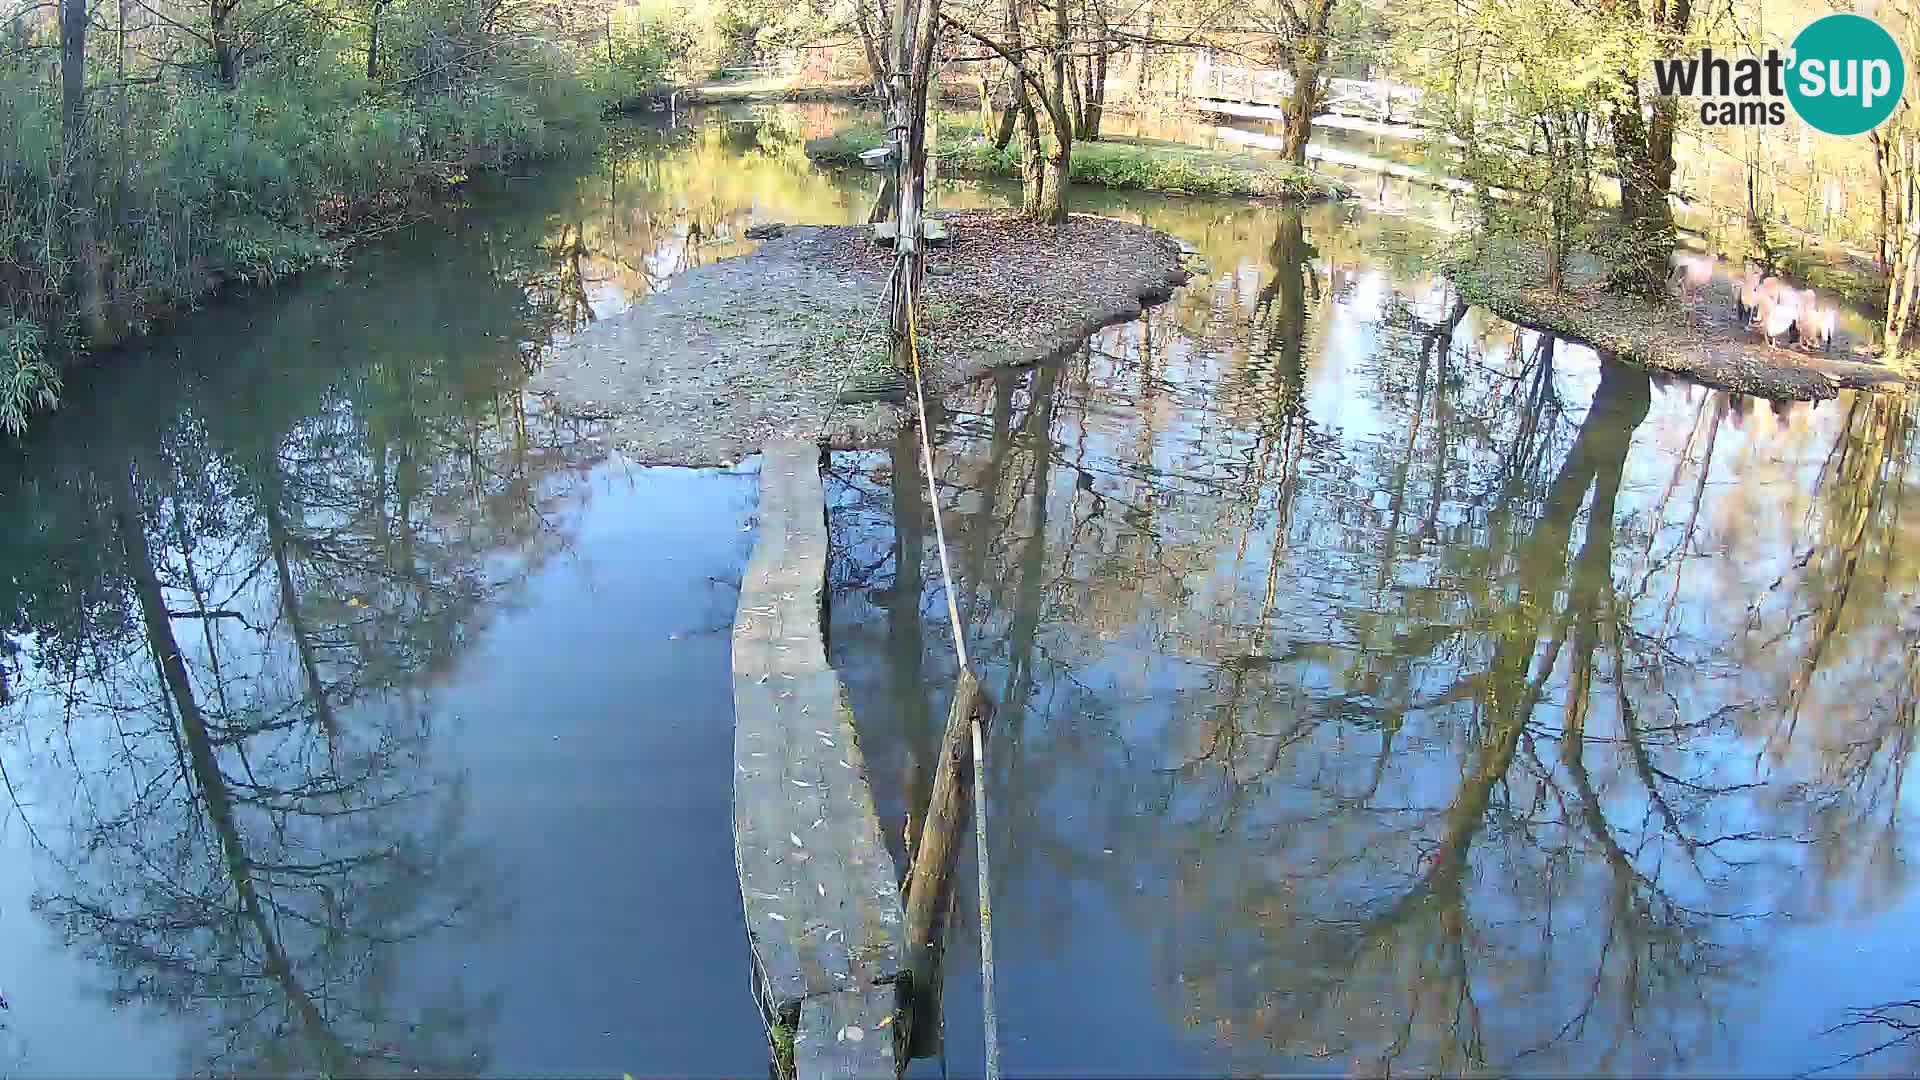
[[1646, 235], [1643, 155], [989, 113], [1033, 160], [84, 278], [1077, 103], [1096, 99], [1903, 278], [1002, 133], [1053, 200], [914, 38], [1880, 175], [373, 42], [1306, 64], [872, 24], [226, 67]]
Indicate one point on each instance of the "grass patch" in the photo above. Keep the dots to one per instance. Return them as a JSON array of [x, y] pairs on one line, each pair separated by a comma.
[[1110, 164], [780, 1036]]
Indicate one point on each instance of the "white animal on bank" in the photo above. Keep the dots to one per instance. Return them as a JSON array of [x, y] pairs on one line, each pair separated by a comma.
[[1816, 323], [1779, 318], [1693, 272]]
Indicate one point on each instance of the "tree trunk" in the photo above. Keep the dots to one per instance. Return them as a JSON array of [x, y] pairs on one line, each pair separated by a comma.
[[1646, 238], [1905, 226], [1059, 164], [1053, 200], [82, 197], [915, 35], [1880, 176], [1077, 103], [1096, 100], [936, 851], [373, 43], [226, 67], [1002, 134], [1643, 155], [1305, 64], [1033, 160], [871, 38], [989, 115]]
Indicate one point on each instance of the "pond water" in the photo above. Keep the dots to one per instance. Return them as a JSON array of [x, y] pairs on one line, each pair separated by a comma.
[[1382, 688]]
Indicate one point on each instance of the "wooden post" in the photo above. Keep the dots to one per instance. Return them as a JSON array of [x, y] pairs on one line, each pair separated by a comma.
[[915, 33], [942, 835]]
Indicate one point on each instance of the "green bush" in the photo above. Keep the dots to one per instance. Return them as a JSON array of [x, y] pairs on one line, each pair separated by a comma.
[[194, 185], [27, 381]]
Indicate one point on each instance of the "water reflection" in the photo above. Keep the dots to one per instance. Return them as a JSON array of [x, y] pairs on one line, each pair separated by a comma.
[[1383, 686], [1407, 692], [243, 730], [225, 629]]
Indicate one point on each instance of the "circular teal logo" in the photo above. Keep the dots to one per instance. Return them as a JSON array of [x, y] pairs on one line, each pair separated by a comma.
[[1845, 75]]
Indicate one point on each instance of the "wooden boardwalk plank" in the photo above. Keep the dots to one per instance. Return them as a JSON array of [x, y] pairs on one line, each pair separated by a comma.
[[822, 902]]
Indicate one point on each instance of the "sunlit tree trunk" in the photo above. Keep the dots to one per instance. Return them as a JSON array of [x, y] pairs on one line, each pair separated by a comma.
[[989, 112], [1009, 114], [1306, 65], [1053, 200], [1642, 134], [1096, 96], [1033, 161]]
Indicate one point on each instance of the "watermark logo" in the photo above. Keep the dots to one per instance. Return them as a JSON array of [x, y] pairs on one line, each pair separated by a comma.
[[1843, 75], [1850, 75]]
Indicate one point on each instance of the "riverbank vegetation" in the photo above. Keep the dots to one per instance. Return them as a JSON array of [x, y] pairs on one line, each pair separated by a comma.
[[152, 154], [1107, 164], [156, 151]]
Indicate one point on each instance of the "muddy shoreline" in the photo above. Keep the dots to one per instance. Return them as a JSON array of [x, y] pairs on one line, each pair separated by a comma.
[[1704, 343], [770, 344]]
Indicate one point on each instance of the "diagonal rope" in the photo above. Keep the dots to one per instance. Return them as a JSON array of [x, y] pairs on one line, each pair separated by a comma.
[[911, 294]]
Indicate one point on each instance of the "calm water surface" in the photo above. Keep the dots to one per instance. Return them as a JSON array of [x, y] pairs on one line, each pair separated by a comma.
[[1384, 689]]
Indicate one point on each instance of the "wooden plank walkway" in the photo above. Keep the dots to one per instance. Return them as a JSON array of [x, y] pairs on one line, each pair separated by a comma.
[[821, 896]]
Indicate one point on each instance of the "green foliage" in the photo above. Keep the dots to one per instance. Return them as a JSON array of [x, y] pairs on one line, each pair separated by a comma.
[[642, 47], [1109, 164], [28, 382], [182, 185], [780, 1036]]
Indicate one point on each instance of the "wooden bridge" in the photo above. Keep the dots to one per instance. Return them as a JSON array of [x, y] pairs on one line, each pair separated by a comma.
[[1263, 93]]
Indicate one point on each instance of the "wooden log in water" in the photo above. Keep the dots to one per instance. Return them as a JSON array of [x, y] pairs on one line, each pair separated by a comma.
[[817, 885], [942, 834]]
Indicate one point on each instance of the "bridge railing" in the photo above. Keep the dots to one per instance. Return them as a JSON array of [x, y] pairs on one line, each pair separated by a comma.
[[1374, 99]]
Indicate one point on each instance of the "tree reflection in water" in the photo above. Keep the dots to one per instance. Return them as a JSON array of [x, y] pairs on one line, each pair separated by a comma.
[[226, 634], [1426, 694]]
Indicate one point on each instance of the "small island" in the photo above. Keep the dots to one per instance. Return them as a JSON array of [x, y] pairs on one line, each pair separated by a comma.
[[791, 340]]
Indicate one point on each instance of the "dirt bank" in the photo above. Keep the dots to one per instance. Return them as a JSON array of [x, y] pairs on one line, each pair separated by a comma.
[[1703, 342], [766, 345]]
